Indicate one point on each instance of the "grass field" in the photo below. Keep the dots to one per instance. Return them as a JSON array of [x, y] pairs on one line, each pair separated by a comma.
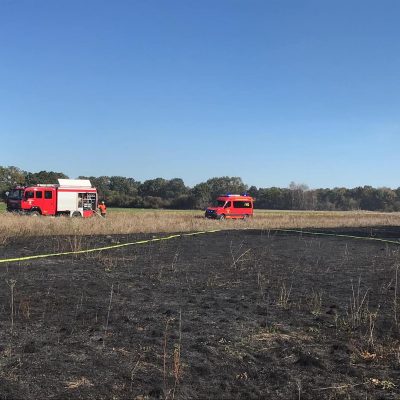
[[127, 221], [244, 312]]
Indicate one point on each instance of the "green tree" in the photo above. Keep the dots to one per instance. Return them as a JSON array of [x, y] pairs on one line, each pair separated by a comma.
[[102, 184], [175, 188], [153, 187], [44, 177], [200, 196], [122, 185], [274, 198], [10, 177], [225, 185], [204, 193]]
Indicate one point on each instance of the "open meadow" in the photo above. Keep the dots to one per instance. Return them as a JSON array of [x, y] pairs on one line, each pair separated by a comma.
[[245, 312], [128, 221]]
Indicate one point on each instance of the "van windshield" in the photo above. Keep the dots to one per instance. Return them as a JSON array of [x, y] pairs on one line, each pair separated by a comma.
[[219, 203]]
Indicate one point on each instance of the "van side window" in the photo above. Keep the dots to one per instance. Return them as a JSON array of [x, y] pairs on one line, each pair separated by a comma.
[[39, 194], [48, 194], [227, 205], [241, 204]]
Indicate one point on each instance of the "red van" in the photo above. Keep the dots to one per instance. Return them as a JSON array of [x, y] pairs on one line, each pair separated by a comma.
[[231, 206]]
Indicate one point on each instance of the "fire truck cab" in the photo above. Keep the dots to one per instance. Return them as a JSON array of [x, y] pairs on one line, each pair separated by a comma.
[[71, 197], [231, 206]]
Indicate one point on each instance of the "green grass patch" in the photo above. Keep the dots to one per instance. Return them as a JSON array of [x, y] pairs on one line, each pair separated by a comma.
[[2, 207]]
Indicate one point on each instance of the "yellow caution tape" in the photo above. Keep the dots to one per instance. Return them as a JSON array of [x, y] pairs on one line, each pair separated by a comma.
[[9, 260], [66, 253], [338, 235]]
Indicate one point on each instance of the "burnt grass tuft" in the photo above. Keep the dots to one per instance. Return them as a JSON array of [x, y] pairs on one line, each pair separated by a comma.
[[234, 314]]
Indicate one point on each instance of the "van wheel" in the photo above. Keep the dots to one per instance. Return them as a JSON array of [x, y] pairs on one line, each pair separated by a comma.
[[221, 217], [76, 214], [246, 216]]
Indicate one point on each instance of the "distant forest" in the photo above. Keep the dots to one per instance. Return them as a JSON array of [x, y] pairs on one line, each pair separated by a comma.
[[119, 191]]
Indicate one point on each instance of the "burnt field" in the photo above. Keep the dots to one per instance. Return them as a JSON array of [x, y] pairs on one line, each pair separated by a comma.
[[233, 314]]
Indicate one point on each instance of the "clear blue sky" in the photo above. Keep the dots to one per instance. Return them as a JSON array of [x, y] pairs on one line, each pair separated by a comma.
[[272, 91]]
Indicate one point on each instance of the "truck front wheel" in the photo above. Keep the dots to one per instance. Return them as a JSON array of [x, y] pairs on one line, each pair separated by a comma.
[[76, 214], [35, 214]]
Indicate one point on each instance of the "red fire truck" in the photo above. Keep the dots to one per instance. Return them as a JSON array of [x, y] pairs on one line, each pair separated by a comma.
[[231, 206], [71, 197]]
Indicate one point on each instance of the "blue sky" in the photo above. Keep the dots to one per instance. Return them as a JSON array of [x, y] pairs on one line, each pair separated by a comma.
[[271, 91]]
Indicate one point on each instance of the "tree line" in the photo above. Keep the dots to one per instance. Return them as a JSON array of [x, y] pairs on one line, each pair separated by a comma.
[[119, 191]]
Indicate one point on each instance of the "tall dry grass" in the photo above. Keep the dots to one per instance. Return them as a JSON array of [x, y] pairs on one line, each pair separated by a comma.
[[12, 226]]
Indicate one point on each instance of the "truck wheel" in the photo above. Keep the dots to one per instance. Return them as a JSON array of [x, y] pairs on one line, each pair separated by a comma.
[[76, 214], [35, 214]]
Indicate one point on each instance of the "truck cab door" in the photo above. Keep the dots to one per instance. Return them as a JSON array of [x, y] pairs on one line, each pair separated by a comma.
[[49, 201]]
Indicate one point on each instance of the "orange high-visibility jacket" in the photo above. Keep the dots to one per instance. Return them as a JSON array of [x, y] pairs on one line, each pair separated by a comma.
[[102, 208]]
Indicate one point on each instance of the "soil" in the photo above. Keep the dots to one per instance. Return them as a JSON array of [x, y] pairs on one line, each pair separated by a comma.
[[234, 314]]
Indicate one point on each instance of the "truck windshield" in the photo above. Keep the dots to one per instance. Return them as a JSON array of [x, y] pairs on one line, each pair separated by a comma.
[[16, 194]]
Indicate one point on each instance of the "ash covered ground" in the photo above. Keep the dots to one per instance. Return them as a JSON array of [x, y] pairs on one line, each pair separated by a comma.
[[234, 314]]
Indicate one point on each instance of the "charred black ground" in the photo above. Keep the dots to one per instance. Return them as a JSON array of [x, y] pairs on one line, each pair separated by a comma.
[[233, 314]]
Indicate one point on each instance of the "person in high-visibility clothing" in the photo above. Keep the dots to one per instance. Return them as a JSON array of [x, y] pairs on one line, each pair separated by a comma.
[[103, 209]]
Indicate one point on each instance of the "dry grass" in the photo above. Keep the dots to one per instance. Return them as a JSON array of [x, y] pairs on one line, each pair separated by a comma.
[[120, 222], [77, 383]]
